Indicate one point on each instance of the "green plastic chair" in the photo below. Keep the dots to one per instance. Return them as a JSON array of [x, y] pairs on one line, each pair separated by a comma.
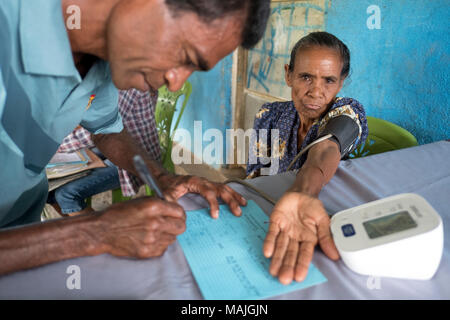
[[383, 136], [164, 112]]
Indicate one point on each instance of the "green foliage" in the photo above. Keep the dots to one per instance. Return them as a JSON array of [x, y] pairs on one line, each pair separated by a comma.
[[165, 110]]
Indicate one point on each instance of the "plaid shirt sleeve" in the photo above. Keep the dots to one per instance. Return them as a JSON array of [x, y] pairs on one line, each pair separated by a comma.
[[138, 114], [79, 138]]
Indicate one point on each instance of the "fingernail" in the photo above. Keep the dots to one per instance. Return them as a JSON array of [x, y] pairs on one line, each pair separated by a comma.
[[300, 278]]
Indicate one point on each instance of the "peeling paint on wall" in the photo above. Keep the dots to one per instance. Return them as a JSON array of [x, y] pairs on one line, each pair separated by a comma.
[[399, 72], [289, 21]]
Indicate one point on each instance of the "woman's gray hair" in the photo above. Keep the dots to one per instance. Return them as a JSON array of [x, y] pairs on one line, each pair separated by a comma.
[[323, 39]]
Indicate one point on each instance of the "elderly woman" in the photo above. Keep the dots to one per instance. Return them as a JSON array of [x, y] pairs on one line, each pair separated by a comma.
[[319, 64]]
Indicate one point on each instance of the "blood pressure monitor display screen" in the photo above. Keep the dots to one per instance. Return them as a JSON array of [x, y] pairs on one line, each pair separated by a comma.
[[389, 224]]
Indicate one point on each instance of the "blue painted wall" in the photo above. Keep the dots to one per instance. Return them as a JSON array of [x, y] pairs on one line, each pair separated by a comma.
[[210, 101], [400, 72]]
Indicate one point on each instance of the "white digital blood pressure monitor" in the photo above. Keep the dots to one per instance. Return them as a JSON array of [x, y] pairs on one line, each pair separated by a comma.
[[401, 236]]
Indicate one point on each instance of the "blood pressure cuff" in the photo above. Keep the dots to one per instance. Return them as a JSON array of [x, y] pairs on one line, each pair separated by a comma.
[[345, 132]]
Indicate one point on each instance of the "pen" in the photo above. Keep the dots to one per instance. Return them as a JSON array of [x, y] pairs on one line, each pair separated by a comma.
[[146, 175]]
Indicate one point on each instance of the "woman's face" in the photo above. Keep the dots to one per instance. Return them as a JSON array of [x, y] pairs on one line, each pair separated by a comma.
[[315, 80]]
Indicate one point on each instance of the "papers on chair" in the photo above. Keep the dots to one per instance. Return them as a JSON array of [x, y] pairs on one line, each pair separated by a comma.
[[73, 158], [59, 182], [65, 170], [64, 165], [226, 259]]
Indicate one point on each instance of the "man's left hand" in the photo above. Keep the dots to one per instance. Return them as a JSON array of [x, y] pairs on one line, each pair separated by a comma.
[[176, 186]]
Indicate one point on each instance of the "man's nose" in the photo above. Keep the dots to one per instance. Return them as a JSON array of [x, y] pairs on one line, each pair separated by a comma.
[[175, 78]]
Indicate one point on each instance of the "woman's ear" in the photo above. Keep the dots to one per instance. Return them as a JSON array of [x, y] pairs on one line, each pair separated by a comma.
[[287, 75]]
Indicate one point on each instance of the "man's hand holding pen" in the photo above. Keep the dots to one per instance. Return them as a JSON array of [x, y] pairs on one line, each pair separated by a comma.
[[146, 227], [171, 187]]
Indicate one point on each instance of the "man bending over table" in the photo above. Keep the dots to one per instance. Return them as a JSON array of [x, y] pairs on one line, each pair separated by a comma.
[[48, 73]]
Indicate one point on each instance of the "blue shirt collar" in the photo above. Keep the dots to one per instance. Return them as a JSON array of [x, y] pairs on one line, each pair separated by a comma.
[[44, 40]]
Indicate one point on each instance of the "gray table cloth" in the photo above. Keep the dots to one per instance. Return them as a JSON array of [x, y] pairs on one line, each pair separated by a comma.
[[424, 170]]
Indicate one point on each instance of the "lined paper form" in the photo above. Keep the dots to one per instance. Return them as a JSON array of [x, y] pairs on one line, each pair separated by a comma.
[[226, 259]]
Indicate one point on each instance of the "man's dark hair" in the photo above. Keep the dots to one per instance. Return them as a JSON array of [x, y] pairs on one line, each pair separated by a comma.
[[323, 39], [208, 10]]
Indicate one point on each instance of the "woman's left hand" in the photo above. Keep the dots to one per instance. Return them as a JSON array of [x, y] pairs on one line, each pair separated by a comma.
[[298, 221]]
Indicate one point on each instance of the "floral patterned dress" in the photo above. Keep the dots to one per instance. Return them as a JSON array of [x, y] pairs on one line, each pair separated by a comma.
[[284, 117]]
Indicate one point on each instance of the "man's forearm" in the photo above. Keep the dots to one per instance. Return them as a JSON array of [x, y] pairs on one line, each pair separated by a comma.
[[120, 149], [42, 243], [320, 166]]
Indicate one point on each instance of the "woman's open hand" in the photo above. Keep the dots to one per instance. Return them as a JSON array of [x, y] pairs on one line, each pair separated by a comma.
[[297, 223]]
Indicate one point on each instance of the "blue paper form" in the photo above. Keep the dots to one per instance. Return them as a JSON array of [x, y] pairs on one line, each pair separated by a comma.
[[226, 258]]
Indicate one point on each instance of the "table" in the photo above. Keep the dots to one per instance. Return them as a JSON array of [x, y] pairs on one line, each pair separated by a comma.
[[424, 170]]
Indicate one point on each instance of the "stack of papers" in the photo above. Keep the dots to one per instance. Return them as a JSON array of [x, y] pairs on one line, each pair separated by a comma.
[[61, 159], [226, 258], [59, 182], [66, 167], [64, 164]]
